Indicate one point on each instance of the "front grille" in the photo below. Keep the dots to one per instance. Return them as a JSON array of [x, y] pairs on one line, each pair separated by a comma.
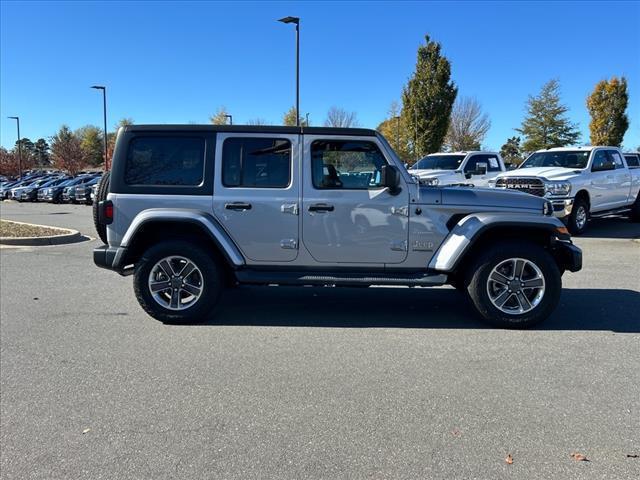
[[532, 186]]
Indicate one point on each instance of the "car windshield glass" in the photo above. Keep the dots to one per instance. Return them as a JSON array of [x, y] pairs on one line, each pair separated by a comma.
[[565, 159], [439, 162]]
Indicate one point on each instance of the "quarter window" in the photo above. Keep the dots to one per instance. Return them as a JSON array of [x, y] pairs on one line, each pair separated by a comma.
[[346, 164], [256, 162], [165, 161]]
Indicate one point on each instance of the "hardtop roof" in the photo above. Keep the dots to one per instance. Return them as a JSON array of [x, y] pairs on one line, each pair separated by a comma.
[[252, 129]]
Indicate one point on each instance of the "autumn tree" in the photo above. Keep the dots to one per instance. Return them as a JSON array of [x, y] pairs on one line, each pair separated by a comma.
[[220, 117], [428, 98], [546, 124], [396, 132], [339, 117], [607, 106], [66, 151], [511, 151], [92, 144], [10, 163], [468, 125]]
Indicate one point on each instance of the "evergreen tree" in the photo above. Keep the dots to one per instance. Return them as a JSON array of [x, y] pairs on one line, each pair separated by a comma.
[[428, 98], [546, 124], [607, 106], [511, 152]]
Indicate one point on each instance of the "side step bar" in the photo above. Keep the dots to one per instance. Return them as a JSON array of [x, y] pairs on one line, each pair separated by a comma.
[[262, 277], [608, 213]]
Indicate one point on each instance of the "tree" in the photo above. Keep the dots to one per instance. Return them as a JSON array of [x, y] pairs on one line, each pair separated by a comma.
[[66, 151], [396, 132], [91, 142], [607, 106], [468, 126], [41, 152], [10, 164], [546, 124], [220, 117], [339, 117], [511, 152], [256, 121], [428, 98], [289, 117], [111, 136]]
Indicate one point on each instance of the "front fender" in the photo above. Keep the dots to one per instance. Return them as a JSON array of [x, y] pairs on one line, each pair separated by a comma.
[[468, 230], [200, 218]]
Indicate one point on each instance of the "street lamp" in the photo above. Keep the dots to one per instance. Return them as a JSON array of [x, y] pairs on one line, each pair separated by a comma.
[[307, 117], [296, 20], [104, 111], [17, 119], [230, 117]]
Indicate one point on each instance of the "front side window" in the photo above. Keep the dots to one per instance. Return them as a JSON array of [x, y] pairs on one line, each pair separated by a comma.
[[256, 162], [156, 160], [602, 161], [491, 160], [346, 164], [565, 159]]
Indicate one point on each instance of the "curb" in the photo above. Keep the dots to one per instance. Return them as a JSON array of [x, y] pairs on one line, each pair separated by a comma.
[[71, 236]]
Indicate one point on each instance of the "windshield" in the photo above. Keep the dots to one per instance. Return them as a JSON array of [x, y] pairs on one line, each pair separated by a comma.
[[567, 159], [439, 162]]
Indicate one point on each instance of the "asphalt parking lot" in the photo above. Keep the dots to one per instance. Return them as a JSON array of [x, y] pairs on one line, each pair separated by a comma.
[[313, 382]]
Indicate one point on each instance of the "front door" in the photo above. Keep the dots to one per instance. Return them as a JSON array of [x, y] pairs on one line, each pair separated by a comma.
[[347, 216], [493, 169], [256, 194]]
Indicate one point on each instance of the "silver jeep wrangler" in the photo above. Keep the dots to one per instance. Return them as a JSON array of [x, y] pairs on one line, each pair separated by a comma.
[[191, 210]]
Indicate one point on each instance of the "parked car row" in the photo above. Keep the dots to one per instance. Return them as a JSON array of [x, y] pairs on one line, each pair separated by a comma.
[[580, 182], [52, 187]]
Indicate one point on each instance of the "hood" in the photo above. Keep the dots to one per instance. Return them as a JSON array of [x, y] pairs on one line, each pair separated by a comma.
[[546, 173], [484, 199]]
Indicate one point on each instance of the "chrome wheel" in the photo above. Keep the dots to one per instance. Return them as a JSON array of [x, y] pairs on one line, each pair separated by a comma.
[[516, 286], [581, 217], [176, 283]]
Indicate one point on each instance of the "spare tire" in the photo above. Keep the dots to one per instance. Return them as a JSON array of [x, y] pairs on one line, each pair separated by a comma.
[[101, 194]]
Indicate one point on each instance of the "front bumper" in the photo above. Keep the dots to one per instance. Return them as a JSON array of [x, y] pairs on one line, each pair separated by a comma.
[[568, 256], [561, 206]]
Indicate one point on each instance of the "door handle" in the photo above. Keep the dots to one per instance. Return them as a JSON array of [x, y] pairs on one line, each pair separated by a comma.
[[321, 207], [237, 206]]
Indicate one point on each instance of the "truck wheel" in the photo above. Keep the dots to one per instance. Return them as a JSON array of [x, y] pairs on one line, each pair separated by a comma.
[[577, 222], [514, 285], [635, 210], [177, 282], [101, 194]]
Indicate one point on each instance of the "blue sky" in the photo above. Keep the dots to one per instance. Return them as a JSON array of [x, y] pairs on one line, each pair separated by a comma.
[[170, 62]]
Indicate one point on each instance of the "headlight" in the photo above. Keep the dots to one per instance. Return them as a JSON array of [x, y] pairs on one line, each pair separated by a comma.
[[431, 182], [557, 188]]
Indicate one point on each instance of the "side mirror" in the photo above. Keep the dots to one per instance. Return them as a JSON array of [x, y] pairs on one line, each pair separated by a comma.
[[390, 178]]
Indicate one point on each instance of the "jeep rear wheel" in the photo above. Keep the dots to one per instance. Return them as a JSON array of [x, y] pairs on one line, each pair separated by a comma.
[[514, 285], [177, 282]]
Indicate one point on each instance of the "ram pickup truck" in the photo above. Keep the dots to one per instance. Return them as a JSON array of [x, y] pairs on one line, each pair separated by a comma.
[[581, 183], [458, 168], [191, 210]]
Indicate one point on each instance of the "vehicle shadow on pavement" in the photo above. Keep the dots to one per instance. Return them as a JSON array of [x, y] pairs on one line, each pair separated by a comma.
[[612, 227], [579, 309]]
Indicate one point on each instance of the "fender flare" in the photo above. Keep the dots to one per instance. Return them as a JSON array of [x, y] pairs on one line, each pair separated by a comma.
[[206, 221], [471, 228]]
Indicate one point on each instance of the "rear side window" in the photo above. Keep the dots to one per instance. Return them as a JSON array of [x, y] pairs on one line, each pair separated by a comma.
[[256, 162], [165, 161], [632, 160]]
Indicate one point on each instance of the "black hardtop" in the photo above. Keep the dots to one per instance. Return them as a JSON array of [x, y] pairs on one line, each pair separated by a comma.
[[359, 132]]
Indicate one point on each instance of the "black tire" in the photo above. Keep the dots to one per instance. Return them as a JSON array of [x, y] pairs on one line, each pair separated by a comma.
[[574, 224], [478, 284], [101, 194], [635, 210], [212, 281]]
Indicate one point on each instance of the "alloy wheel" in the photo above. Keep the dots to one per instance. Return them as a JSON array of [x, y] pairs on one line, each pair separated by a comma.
[[516, 286], [176, 283]]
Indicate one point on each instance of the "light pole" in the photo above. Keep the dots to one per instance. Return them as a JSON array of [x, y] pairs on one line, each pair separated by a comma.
[[104, 111], [17, 119], [296, 20], [230, 117], [307, 117]]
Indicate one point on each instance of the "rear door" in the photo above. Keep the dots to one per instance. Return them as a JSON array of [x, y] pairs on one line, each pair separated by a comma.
[[347, 216], [256, 193]]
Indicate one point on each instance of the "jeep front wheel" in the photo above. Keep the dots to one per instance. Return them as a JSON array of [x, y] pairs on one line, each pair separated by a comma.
[[177, 282], [515, 285]]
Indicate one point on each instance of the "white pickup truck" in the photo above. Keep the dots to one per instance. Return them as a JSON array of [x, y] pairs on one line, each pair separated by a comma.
[[581, 183], [455, 168]]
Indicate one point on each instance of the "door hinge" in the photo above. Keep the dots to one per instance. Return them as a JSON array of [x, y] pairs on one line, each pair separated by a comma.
[[291, 208], [289, 244], [399, 245], [400, 211]]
